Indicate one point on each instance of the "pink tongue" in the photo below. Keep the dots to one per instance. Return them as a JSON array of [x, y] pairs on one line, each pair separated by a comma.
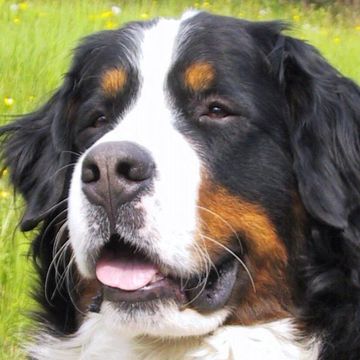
[[125, 274]]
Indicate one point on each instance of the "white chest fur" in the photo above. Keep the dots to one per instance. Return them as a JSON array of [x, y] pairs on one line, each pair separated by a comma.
[[94, 341]]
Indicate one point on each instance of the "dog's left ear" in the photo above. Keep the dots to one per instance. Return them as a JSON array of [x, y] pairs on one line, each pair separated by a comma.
[[324, 126]]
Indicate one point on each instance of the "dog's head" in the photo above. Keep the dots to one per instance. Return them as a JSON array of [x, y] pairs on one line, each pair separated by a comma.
[[196, 161]]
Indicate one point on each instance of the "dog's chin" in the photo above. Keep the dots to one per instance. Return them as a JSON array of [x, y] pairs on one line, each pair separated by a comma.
[[132, 281], [159, 318]]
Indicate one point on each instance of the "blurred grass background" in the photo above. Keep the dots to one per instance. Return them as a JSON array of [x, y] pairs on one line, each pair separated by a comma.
[[36, 38]]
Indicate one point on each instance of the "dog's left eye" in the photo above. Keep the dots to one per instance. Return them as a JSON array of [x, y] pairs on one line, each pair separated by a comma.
[[217, 111], [214, 111]]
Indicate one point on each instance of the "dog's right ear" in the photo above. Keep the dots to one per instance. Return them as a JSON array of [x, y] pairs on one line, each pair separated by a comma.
[[36, 156]]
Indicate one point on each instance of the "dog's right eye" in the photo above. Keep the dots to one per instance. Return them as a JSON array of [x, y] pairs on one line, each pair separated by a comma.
[[99, 122], [96, 127]]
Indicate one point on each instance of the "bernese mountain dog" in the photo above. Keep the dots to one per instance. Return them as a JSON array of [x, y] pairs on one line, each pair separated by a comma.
[[195, 184]]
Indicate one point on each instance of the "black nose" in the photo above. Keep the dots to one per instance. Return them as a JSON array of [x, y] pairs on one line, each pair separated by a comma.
[[113, 173]]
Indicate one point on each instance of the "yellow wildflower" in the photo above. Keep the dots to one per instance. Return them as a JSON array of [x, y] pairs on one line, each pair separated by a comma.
[[296, 18], [206, 4], [144, 15], [31, 98], [106, 14], [16, 20], [357, 27], [23, 5], [8, 101], [110, 25], [4, 194], [336, 40]]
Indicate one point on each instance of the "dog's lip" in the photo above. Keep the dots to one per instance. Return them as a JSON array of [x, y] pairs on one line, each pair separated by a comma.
[[162, 289], [220, 282]]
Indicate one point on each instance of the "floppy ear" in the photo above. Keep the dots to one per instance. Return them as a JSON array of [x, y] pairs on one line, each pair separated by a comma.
[[324, 127], [36, 156]]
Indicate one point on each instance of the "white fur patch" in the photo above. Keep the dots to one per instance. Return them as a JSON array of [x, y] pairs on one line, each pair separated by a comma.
[[95, 340]]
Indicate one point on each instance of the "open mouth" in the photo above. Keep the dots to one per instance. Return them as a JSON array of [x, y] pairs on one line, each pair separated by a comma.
[[130, 275]]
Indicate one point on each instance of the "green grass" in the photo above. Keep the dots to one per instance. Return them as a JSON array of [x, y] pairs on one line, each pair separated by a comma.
[[35, 46]]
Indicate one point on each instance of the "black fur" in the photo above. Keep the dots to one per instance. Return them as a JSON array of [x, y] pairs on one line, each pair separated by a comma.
[[315, 120], [325, 138]]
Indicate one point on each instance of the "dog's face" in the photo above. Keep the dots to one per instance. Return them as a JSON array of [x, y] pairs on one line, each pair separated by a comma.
[[168, 207], [197, 168]]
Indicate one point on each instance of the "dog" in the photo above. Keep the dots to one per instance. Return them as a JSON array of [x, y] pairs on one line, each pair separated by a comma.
[[195, 184]]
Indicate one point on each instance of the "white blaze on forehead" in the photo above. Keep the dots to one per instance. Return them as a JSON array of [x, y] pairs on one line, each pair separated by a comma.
[[151, 115], [156, 58]]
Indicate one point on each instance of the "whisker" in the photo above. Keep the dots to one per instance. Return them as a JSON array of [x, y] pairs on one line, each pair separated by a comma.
[[71, 152], [61, 169], [55, 264], [206, 260], [235, 256], [51, 223], [56, 205], [226, 223], [208, 266], [202, 283], [69, 280], [58, 237], [61, 252]]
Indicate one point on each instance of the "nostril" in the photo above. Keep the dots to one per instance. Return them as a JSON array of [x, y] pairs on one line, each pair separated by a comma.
[[90, 173], [134, 169], [123, 169]]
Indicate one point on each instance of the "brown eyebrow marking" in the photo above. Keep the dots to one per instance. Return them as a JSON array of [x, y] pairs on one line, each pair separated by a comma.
[[199, 76], [113, 81]]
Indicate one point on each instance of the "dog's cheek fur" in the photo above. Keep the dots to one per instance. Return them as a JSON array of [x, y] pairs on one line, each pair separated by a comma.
[[226, 221]]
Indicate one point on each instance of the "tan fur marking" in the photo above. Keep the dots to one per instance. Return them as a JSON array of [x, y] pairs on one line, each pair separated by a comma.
[[113, 81], [222, 216], [199, 76]]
